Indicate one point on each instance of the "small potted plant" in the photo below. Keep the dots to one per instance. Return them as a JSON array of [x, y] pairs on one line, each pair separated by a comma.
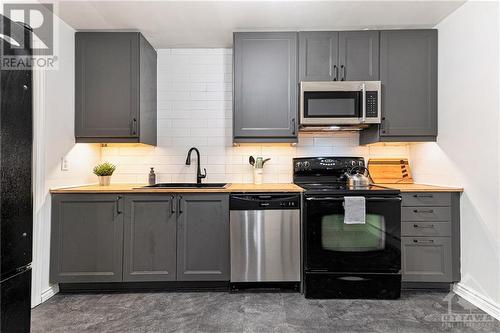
[[103, 172]]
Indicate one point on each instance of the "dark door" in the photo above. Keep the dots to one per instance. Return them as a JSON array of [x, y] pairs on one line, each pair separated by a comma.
[[359, 55], [15, 152], [332, 245], [107, 84], [203, 237], [318, 56], [265, 86], [149, 238], [86, 238], [15, 303], [408, 71]]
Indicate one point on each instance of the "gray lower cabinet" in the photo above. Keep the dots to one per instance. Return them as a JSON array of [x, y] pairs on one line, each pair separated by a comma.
[[203, 237], [139, 237], [430, 237], [265, 87], [408, 72], [150, 238], [86, 238], [115, 88]]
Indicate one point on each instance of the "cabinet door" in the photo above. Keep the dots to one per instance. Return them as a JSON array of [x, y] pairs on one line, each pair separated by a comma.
[[408, 71], [149, 238], [359, 55], [318, 56], [426, 259], [203, 237], [107, 84], [265, 86], [86, 238]]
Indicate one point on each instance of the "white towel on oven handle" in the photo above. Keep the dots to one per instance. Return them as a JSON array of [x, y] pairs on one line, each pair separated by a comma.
[[355, 210]]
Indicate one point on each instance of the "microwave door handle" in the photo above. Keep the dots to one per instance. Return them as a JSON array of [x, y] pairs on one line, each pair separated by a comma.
[[363, 97]]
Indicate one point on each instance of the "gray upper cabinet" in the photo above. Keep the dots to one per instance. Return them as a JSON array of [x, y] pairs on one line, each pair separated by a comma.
[[408, 71], [203, 237], [339, 56], [265, 87], [115, 88], [359, 55], [318, 56], [150, 237], [86, 238]]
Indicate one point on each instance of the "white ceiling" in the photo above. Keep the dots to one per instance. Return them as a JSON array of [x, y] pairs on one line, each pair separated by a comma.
[[211, 23]]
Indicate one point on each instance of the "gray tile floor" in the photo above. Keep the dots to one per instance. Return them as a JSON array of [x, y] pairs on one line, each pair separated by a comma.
[[416, 311]]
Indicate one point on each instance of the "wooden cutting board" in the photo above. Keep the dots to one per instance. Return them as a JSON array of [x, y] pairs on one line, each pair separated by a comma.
[[390, 170]]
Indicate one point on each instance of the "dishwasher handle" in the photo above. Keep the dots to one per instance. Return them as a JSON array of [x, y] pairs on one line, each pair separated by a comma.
[[264, 201]]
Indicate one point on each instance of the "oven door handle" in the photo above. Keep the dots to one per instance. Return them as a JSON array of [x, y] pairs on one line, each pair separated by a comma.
[[342, 199]]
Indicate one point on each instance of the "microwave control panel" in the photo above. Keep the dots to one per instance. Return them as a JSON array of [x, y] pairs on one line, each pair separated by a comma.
[[371, 104]]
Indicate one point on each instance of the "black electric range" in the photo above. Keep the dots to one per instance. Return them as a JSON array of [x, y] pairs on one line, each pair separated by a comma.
[[348, 260]]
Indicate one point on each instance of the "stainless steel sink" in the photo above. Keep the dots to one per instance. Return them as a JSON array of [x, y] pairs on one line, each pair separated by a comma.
[[188, 185]]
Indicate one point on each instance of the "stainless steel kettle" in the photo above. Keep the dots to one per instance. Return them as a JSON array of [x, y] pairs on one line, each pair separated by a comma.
[[358, 177]]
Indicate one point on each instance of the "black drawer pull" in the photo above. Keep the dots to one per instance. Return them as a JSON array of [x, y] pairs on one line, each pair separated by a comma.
[[430, 211], [421, 241], [423, 196], [429, 226]]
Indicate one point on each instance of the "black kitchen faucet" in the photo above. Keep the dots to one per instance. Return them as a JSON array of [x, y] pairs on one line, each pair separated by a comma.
[[199, 175]]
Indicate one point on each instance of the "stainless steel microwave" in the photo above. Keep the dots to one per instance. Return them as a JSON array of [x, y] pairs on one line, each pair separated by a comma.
[[339, 103]]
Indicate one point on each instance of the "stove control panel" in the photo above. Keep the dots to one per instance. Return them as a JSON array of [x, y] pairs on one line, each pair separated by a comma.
[[312, 164]]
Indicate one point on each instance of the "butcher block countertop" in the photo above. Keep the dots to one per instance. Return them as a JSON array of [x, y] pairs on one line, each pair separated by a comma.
[[422, 188], [139, 188]]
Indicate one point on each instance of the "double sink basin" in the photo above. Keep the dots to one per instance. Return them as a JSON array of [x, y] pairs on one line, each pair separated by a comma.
[[188, 185]]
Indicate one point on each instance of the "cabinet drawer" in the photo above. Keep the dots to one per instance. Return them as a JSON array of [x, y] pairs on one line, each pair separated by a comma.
[[425, 214], [426, 229], [426, 259], [426, 199]]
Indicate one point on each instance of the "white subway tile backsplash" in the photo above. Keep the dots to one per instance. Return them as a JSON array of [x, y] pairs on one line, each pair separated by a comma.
[[195, 110]]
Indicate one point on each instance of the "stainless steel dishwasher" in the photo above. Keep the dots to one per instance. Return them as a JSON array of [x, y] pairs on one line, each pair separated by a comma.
[[265, 240]]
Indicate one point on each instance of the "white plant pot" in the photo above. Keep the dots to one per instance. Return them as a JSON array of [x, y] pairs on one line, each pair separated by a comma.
[[257, 175], [104, 180]]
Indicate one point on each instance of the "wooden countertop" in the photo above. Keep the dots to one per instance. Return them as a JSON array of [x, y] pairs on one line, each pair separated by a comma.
[[139, 188], [237, 187], [422, 188]]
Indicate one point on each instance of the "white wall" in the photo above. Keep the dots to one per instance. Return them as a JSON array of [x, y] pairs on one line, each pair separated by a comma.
[[467, 151], [54, 138], [195, 109]]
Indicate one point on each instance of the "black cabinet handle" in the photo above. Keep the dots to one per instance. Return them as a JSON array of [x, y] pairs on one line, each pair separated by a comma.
[[430, 211], [172, 210], [118, 205], [336, 69], [428, 241], [429, 226], [293, 126], [342, 67], [423, 195], [134, 126], [179, 207]]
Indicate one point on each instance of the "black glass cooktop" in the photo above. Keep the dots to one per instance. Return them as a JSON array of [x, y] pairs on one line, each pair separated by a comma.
[[342, 188]]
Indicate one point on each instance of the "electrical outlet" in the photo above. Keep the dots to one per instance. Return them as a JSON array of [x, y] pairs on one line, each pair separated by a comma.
[[64, 164]]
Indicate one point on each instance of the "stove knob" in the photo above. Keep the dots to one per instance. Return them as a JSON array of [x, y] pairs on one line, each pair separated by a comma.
[[360, 163], [353, 163], [306, 164], [298, 165]]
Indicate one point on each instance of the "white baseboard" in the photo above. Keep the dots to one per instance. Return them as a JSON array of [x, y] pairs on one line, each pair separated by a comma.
[[478, 300], [48, 293]]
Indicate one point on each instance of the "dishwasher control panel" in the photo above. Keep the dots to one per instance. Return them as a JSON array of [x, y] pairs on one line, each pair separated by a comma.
[[259, 201]]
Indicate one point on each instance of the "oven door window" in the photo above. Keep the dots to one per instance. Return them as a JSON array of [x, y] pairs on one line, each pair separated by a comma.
[[332, 104], [341, 237], [332, 245]]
